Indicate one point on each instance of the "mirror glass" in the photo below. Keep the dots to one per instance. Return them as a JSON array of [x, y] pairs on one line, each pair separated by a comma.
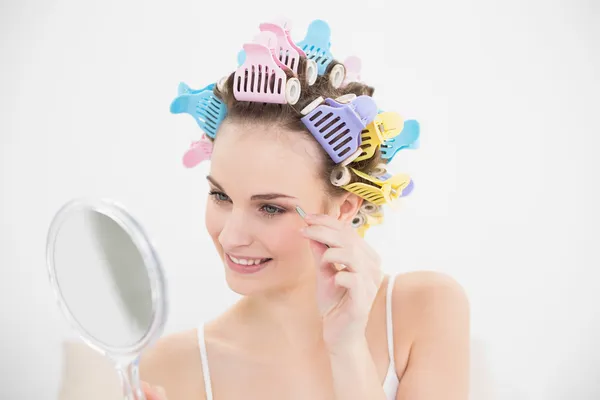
[[102, 278]]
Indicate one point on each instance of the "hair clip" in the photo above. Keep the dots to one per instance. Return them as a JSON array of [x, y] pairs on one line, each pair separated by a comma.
[[353, 66], [262, 77], [338, 126], [407, 139], [408, 189], [316, 45], [288, 52], [378, 192], [203, 105], [199, 151], [385, 126]]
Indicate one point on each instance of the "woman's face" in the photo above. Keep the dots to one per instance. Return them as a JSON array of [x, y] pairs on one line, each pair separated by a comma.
[[258, 175]]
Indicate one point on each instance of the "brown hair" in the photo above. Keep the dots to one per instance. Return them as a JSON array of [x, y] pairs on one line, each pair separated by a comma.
[[289, 117]]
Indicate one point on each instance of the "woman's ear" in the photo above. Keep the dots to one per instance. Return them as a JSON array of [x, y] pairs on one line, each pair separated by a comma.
[[348, 207]]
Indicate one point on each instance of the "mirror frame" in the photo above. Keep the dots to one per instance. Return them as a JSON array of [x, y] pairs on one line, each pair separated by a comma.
[[119, 215]]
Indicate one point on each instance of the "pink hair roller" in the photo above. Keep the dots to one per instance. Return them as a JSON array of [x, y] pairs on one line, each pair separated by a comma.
[[262, 77]]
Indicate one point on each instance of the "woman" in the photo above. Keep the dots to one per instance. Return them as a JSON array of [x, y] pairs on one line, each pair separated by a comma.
[[318, 318]]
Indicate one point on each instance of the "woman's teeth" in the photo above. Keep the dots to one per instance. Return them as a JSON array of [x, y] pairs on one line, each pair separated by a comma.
[[243, 261]]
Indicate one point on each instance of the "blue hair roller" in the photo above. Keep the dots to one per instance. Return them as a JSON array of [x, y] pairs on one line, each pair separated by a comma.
[[316, 44], [407, 139], [206, 108]]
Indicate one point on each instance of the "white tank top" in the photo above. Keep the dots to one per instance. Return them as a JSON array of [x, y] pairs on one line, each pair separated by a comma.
[[390, 383]]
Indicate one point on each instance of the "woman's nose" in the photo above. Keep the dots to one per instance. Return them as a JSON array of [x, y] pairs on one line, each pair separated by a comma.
[[236, 231]]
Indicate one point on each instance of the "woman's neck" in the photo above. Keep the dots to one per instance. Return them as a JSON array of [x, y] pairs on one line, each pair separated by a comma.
[[288, 319]]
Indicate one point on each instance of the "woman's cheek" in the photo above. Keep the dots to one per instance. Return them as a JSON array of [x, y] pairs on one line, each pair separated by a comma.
[[284, 238], [213, 219]]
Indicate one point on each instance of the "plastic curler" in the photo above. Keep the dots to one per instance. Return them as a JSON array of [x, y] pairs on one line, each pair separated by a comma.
[[379, 171], [206, 108], [369, 208], [407, 139], [337, 127], [362, 230], [288, 53], [262, 77], [385, 126], [340, 176], [358, 220], [312, 105], [316, 45], [221, 83], [408, 190], [384, 177], [353, 67], [377, 191], [199, 151], [346, 98]]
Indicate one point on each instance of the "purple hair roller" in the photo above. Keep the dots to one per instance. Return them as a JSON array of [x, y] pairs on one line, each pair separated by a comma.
[[337, 127], [408, 190]]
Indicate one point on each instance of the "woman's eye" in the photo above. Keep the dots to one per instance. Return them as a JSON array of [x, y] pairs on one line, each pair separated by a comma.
[[218, 196], [271, 209], [221, 196]]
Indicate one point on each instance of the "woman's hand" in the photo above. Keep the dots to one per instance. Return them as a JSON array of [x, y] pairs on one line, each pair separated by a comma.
[[348, 279], [153, 393]]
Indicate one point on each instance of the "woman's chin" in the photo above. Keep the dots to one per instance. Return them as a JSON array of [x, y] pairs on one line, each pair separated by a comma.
[[247, 279]]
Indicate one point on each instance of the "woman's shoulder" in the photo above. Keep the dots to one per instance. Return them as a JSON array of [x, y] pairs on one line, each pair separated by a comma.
[[174, 363], [426, 301], [425, 283]]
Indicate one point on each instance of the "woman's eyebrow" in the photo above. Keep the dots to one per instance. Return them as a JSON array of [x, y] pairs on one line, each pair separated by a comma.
[[263, 196], [215, 184], [271, 196]]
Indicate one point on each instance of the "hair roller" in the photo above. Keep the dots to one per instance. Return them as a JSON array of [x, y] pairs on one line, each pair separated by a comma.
[[336, 73], [369, 208], [308, 68], [358, 220], [222, 83], [379, 170], [340, 176], [346, 98]]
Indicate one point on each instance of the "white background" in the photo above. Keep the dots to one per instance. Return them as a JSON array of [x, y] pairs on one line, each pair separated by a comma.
[[507, 94]]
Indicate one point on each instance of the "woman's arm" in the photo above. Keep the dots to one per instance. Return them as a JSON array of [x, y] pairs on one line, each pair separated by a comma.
[[354, 373], [438, 366], [174, 365]]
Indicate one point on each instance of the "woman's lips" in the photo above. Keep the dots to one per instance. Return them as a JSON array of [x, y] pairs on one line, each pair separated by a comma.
[[242, 265]]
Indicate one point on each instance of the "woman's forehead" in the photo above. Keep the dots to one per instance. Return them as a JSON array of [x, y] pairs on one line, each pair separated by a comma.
[[274, 158]]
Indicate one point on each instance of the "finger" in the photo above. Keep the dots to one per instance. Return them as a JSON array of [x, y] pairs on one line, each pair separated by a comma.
[[318, 249], [156, 393], [324, 234], [340, 256], [351, 281], [161, 391], [325, 220]]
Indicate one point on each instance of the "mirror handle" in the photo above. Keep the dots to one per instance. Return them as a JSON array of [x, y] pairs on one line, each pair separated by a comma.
[[130, 381]]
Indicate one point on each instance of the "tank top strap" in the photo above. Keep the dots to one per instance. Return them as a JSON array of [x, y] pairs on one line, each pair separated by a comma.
[[204, 359]]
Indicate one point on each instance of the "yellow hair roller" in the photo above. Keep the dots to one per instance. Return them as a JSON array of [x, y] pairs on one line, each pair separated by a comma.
[[378, 192], [385, 126], [368, 221]]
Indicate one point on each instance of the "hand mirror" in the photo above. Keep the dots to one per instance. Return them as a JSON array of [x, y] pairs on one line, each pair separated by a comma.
[[108, 282]]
